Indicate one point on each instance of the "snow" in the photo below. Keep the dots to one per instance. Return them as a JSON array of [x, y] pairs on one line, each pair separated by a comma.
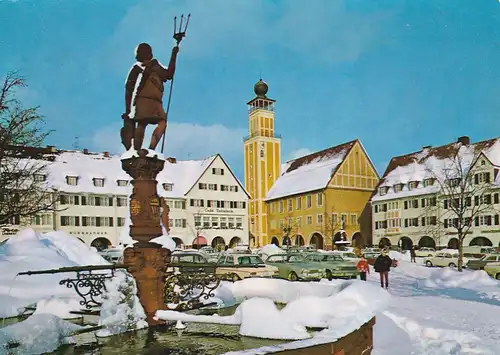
[[165, 241], [40, 333], [29, 251], [450, 278], [121, 310], [60, 307], [132, 153], [311, 176], [270, 249]]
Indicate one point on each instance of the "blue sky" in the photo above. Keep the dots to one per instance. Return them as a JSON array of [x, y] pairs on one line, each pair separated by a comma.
[[396, 74]]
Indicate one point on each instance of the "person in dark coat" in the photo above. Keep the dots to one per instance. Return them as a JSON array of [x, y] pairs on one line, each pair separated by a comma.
[[413, 255], [383, 265]]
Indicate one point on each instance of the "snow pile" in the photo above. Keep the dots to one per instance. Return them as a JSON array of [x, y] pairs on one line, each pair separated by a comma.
[[399, 256], [60, 307], [270, 249], [29, 250], [340, 313], [165, 241], [39, 334], [121, 310], [450, 278]]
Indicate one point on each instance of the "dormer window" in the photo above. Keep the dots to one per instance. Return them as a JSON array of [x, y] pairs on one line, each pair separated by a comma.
[[122, 183], [428, 182], [398, 187], [98, 182], [383, 190], [72, 180], [40, 177], [412, 185], [454, 182], [167, 186]]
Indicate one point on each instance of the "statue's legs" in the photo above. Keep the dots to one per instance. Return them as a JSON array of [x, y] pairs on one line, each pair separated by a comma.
[[139, 135], [157, 134], [127, 133]]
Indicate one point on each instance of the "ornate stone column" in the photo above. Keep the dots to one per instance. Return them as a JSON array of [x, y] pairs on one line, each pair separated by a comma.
[[146, 261]]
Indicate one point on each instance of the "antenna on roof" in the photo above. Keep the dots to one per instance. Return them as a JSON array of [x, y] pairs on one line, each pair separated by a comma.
[[76, 143]]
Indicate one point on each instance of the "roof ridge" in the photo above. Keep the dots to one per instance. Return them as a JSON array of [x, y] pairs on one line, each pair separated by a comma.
[[321, 151]]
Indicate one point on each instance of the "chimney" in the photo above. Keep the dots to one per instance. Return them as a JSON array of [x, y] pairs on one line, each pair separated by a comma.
[[106, 154], [85, 151], [465, 140], [172, 160], [426, 147]]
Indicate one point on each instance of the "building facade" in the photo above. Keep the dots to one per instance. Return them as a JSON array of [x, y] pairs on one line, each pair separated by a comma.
[[413, 202], [262, 159], [93, 193], [323, 198]]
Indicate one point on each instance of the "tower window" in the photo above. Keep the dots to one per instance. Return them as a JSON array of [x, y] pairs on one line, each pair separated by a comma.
[[262, 153]]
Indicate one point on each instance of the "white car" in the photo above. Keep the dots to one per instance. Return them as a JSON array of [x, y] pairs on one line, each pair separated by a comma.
[[249, 265], [444, 259], [347, 255], [425, 252]]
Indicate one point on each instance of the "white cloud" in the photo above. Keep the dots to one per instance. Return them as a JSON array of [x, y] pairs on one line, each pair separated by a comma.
[[183, 141], [297, 153]]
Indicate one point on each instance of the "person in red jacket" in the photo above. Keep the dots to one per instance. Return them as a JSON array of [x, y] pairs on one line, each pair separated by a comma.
[[363, 268]]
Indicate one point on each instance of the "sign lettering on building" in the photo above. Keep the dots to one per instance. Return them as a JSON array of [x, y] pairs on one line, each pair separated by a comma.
[[216, 210]]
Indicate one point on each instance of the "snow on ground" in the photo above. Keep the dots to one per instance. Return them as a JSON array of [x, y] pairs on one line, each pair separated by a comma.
[[39, 334], [34, 251]]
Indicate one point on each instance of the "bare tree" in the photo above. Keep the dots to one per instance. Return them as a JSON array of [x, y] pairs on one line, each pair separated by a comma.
[[290, 228], [464, 193], [332, 224], [24, 192]]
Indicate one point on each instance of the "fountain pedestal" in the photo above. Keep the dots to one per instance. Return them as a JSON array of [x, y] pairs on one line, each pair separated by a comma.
[[146, 261]]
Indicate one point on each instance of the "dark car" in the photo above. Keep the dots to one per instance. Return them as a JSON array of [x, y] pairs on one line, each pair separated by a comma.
[[189, 262], [481, 263]]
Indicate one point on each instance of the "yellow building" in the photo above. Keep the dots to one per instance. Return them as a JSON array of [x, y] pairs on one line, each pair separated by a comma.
[[323, 198], [262, 160]]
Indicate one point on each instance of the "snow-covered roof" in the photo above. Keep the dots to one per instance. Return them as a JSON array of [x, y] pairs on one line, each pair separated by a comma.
[[309, 173], [432, 162]]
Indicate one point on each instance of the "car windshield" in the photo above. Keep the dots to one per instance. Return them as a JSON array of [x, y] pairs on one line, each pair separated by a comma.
[[277, 259], [250, 260], [349, 255], [295, 258], [331, 257]]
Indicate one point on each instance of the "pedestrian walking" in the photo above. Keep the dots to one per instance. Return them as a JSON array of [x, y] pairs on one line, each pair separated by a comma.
[[413, 255], [383, 265], [363, 268]]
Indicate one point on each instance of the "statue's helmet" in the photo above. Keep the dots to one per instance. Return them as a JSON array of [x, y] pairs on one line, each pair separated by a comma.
[[143, 52]]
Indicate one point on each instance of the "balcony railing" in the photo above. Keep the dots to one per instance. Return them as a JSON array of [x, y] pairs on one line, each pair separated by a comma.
[[257, 134]]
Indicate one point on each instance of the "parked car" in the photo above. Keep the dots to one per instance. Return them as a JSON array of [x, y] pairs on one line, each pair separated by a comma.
[[293, 267], [347, 255], [113, 255], [190, 261], [425, 252], [493, 270], [444, 259], [249, 266], [481, 263], [371, 257], [372, 251], [335, 266]]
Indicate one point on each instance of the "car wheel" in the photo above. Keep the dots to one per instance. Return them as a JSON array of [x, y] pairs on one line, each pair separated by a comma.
[[497, 276], [428, 263], [452, 265], [235, 277], [292, 276], [328, 275]]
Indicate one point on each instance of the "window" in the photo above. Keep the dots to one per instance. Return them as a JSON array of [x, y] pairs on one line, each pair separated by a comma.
[[428, 182], [42, 220], [281, 207], [398, 187], [168, 186], [239, 222], [241, 204], [212, 187], [196, 203], [98, 182], [273, 207], [223, 223], [217, 171], [230, 222], [40, 177], [343, 218], [454, 182], [121, 201], [224, 187], [290, 205], [197, 221], [309, 220], [335, 218], [262, 153], [180, 205], [122, 183], [233, 188], [178, 223], [206, 222], [72, 180], [319, 199], [319, 219], [412, 185], [298, 203], [482, 178], [69, 200], [215, 222], [120, 221], [354, 219], [70, 221], [202, 186], [382, 190], [299, 222], [308, 201]]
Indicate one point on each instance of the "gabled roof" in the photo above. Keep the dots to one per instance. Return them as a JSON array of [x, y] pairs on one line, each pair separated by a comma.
[[311, 172], [430, 162]]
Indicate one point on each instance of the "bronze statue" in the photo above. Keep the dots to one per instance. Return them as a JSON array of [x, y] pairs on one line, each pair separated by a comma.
[[144, 100]]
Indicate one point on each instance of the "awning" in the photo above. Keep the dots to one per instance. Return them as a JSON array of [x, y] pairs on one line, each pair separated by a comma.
[[200, 240]]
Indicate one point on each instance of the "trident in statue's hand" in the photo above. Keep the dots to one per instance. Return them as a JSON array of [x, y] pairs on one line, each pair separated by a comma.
[[180, 34]]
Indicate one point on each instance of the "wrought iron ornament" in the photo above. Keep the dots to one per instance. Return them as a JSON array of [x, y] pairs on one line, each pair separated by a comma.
[[89, 286]]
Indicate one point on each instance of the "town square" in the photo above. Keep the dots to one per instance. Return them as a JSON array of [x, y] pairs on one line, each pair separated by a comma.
[[249, 177]]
